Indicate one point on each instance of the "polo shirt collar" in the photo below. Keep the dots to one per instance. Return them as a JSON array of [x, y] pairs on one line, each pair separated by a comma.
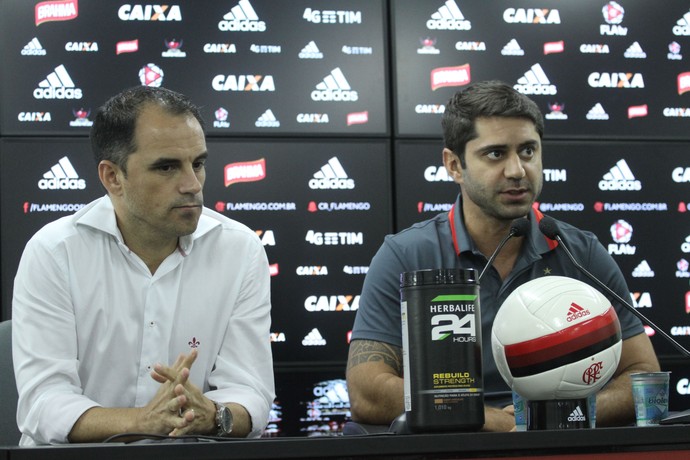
[[537, 243]]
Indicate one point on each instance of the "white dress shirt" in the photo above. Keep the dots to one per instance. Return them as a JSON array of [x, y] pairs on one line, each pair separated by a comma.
[[90, 320]]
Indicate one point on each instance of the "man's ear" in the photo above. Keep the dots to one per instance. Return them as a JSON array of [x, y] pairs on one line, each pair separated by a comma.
[[452, 163], [111, 177]]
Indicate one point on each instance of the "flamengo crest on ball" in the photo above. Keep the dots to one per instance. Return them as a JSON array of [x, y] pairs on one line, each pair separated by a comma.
[[556, 338]]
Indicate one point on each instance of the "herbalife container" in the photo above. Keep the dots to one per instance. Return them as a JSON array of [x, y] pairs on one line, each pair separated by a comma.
[[442, 353]]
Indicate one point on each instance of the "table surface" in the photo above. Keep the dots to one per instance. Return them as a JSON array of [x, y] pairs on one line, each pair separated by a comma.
[[633, 442]]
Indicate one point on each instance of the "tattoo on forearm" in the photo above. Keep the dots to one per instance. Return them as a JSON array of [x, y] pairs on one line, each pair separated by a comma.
[[362, 351]]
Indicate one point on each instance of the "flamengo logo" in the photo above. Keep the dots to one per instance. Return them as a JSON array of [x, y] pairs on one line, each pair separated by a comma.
[[243, 83], [62, 176], [615, 80], [592, 373], [64, 10], [448, 17], [247, 171], [332, 303], [535, 81], [450, 76], [334, 88], [331, 176], [575, 311], [149, 13], [57, 85], [242, 18], [620, 177]]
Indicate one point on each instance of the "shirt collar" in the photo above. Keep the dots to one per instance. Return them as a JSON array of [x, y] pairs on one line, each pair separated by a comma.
[[100, 215], [536, 241]]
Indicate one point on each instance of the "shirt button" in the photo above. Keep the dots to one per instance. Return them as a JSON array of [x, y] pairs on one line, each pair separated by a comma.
[[152, 324]]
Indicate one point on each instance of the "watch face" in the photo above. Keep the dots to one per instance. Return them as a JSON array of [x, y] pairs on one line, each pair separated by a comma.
[[223, 419], [226, 420]]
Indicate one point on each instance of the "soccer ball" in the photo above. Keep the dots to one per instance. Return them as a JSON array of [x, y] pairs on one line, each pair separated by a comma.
[[556, 338]]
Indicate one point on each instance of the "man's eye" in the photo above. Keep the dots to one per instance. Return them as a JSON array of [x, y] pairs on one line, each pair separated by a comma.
[[494, 155], [199, 165]]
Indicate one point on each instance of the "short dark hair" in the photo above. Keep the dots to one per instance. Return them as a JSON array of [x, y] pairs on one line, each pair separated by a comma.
[[484, 99], [112, 133]]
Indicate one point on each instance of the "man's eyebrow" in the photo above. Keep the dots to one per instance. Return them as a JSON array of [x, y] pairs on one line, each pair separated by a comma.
[[163, 161], [502, 147], [492, 147]]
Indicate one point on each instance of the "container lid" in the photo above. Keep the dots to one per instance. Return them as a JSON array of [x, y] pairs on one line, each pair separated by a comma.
[[438, 276]]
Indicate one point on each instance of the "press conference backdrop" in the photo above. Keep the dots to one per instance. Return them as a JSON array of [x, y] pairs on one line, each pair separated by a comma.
[[324, 131]]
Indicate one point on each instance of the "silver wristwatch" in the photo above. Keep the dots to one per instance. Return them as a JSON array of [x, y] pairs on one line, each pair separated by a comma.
[[223, 419]]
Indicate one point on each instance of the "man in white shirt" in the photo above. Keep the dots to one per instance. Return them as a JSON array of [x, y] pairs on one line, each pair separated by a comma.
[[144, 312]]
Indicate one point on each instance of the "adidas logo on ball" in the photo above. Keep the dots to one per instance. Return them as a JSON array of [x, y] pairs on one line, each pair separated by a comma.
[[576, 312]]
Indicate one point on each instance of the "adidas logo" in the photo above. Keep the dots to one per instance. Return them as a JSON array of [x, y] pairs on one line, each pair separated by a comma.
[[448, 17], [620, 177], [577, 415], [643, 270], [242, 18], [57, 85], [267, 120], [311, 51], [635, 52], [597, 113], [575, 311], [62, 176], [535, 81], [313, 339], [512, 48], [33, 48], [682, 27], [331, 176], [334, 88]]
